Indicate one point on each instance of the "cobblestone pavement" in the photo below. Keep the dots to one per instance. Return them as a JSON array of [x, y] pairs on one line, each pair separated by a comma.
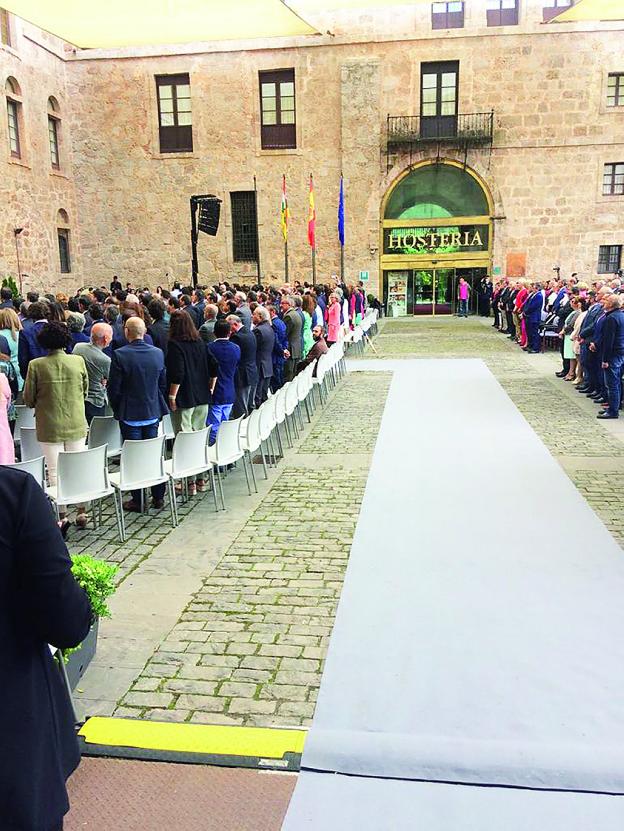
[[603, 490], [249, 647], [144, 533]]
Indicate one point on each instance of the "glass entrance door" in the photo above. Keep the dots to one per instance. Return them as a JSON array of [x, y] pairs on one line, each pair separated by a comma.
[[423, 282], [444, 291]]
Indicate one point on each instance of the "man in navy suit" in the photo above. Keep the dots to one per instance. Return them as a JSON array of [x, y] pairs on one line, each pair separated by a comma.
[[40, 604], [613, 355], [228, 356], [532, 311], [137, 391], [247, 372]]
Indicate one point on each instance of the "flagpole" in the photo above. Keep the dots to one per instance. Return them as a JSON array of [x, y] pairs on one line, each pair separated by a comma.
[[257, 233], [312, 218], [341, 226], [285, 260], [314, 266]]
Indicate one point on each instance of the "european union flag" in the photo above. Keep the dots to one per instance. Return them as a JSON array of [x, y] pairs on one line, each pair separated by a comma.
[[341, 227]]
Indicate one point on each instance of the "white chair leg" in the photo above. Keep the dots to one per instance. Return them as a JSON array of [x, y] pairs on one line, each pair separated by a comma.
[[172, 505], [246, 473], [213, 485], [121, 515], [253, 472]]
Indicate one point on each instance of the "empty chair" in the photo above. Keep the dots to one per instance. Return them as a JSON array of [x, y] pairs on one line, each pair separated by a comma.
[[105, 430], [189, 458], [304, 385], [24, 417], [29, 446], [267, 425], [36, 468], [251, 440], [278, 401], [166, 428], [82, 476], [291, 404], [226, 450], [142, 466]]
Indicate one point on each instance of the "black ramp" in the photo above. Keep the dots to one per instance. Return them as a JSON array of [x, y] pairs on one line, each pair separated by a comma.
[[479, 634]]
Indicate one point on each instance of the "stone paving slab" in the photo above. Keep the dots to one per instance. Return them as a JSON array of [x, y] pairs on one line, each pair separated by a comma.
[[250, 645]]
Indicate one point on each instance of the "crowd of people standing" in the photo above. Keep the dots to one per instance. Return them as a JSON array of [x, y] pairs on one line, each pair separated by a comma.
[[202, 355], [587, 319]]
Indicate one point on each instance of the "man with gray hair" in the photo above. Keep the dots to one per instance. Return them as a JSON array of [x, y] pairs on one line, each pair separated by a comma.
[[76, 322], [294, 334], [265, 341], [243, 310], [612, 357], [247, 371], [98, 368], [206, 330]]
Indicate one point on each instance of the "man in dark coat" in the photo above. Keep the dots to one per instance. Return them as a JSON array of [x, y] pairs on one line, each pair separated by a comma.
[[227, 355], [137, 391], [612, 345], [265, 340], [294, 329], [40, 604], [27, 344], [532, 311], [247, 372]]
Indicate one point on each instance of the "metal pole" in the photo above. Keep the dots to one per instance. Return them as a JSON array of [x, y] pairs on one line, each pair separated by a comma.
[[19, 268], [257, 233], [285, 261], [194, 265], [342, 263], [314, 266]]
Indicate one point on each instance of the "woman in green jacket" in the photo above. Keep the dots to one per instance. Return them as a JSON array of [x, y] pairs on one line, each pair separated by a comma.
[[56, 386]]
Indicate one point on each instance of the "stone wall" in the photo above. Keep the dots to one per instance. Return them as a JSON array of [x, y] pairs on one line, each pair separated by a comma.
[[31, 191], [553, 134]]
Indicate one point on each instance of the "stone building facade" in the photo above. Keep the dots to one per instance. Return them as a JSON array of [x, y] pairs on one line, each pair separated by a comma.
[[547, 88]]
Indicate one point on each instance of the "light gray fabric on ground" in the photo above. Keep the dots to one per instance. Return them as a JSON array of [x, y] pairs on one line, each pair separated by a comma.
[[326, 802], [479, 633]]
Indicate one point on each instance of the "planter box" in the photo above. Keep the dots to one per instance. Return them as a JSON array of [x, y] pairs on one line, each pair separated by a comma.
[[79, 660]]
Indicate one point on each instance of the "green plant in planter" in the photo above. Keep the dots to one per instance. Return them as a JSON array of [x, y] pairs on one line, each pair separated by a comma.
[[9, 283], [97, 578]]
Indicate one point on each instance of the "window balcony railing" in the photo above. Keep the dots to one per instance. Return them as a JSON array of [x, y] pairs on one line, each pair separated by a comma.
[[469, 129]]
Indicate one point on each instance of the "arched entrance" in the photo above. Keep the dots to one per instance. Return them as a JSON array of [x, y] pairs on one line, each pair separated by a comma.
[[436, 228]]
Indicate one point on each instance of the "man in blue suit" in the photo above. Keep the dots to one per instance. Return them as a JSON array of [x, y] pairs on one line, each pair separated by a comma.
[[137, 389], [612, 357], [280, 347], [27, 345], [228, 357], [532, 311]]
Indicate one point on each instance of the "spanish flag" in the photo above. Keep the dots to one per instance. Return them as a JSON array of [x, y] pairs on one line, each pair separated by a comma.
[[312, 218], [284, 211]]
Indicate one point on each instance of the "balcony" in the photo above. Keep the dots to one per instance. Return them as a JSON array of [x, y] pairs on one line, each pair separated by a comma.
[[466, 130]]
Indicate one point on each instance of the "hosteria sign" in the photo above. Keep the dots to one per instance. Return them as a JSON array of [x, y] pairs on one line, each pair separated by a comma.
[[447, 240]]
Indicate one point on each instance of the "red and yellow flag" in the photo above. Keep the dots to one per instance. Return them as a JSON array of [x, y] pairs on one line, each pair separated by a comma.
[[284, 211], [312, 217]]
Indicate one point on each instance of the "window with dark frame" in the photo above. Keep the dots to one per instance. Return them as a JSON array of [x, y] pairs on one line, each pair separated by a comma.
[[613, 179], [54, 146], [5, 28], [609, 259], [63, 244], [615, 89], [554, 7], [502, 12], [439, 86], [174, 113], [244, 226], [448, 15], [278, 127]]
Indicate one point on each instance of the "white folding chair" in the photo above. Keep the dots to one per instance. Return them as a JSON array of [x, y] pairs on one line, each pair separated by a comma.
[[278, 400], [165, 428], [226, 451], [251, 441], [189, 458], [303, 388], [319, 379], [267, 425], [291, 403], [29, 446], [142, 466], [82, 476], [36, 468], [105, 430], [24, 417]]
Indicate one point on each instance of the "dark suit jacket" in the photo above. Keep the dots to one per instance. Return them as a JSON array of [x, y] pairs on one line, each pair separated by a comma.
[[532, 309], [40, 603], [137, 383], [613, 335], [190, 364], [159, 330], [28, 346], [247, 373], [227, 355], [265, 340], [196, 315]]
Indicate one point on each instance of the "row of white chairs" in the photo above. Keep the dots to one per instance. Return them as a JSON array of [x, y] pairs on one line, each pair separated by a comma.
[[83, 476]]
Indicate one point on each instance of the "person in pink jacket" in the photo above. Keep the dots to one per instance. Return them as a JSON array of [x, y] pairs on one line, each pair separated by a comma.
[[7, 448], [333, 319]]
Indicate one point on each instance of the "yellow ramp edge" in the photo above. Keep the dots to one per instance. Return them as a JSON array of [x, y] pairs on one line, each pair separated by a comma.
[[264, 742]]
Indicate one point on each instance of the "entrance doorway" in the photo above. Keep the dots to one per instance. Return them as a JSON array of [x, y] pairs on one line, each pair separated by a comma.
[[429, 291]]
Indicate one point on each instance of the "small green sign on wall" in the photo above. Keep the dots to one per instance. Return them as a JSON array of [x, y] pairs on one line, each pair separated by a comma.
[[364, 276]]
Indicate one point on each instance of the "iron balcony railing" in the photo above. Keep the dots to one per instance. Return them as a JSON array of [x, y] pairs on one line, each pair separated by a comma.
[[469, 129]]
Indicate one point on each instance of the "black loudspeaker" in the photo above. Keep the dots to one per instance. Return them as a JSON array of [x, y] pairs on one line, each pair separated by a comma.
[[209, 214]]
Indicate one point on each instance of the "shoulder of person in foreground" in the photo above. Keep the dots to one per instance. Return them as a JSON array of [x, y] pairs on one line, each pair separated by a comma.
[[55, 607]]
